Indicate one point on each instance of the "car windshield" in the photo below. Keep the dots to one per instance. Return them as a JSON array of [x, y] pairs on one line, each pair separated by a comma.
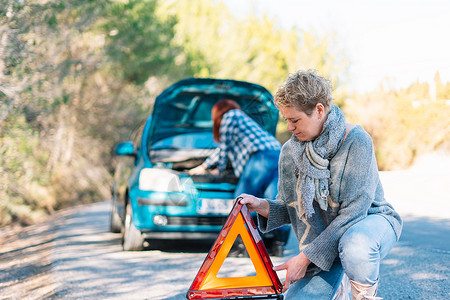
[[188, 110]]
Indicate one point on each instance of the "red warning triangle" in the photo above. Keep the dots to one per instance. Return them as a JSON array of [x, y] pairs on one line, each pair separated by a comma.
[[264, 285]]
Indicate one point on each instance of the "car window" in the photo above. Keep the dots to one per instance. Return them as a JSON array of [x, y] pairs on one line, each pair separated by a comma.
[[202, 112], [189, 109], [177, 109]]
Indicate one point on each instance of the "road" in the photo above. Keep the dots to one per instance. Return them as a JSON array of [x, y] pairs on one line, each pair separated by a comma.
[[83, 260], [89, 263]]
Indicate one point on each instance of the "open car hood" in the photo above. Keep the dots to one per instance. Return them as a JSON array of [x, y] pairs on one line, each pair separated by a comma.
[[185, 107]]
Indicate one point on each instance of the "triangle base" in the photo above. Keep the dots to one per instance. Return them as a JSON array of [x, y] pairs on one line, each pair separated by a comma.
[[236, 293]]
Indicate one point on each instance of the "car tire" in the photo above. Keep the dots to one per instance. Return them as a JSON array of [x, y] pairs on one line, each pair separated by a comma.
[[132, 239], [115, 223], [274, 247], [277, 249]]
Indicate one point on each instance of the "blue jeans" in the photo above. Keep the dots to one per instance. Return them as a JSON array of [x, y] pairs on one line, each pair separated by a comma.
[[260, 179], [260, 175], [361, 249]]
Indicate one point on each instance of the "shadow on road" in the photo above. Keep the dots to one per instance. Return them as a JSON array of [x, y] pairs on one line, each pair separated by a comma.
[[419, 265]]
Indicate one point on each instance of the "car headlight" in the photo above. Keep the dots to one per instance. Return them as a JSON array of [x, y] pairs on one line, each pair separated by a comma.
[[159, 180]]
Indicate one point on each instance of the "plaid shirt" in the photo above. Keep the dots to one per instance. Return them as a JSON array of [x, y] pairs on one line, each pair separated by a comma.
[[240, 137]]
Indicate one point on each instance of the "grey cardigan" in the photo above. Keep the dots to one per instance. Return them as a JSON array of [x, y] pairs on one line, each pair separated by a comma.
[[355, 191]]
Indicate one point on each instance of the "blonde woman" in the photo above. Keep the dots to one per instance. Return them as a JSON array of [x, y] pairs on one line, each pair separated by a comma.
[[329, 190]]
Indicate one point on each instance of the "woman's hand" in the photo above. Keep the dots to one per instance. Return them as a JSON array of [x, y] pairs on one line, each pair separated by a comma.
[[295, 269], [214, 172], [197, 170], [261, 206]]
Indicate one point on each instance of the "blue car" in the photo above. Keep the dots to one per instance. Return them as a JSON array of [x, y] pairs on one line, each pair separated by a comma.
[[154, 197]]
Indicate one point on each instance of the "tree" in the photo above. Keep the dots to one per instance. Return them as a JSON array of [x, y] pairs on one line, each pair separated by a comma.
[[76, 75], [138, 43], [64, 107], [254, 49]]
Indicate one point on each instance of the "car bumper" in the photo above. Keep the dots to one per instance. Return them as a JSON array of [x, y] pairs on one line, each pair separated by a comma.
[[176, 211], [179, 235]]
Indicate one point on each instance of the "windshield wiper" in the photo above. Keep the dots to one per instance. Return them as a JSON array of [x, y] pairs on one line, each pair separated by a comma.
[[165, 148]]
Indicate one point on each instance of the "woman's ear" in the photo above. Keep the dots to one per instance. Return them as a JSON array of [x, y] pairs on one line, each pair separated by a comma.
[[320, 110]]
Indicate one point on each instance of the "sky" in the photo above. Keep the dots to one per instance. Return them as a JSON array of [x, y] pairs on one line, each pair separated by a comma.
[[403, 40]]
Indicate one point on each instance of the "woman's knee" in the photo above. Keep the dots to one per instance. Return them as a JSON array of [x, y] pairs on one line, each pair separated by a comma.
[[359, 256], [354, 247]]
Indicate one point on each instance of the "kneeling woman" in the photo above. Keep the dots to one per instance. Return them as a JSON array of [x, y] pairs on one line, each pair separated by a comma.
[[329, 190]]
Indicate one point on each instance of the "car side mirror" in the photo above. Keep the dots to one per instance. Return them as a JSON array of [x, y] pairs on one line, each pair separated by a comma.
[[125, 149]]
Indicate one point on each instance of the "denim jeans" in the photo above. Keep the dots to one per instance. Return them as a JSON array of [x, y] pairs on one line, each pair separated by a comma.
[[361, 249], [260, 179], [260, 175]]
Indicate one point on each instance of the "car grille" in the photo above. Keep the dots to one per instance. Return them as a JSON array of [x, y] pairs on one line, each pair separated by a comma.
[[196, 221], [209, 178]]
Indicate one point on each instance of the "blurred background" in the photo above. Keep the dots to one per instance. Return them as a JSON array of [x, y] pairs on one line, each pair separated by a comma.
[[76, 76]]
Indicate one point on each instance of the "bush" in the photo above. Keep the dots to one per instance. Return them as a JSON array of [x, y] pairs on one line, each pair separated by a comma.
[[402, 127]]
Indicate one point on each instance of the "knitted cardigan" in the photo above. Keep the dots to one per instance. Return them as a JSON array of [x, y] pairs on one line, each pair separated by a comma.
[[355, 191]]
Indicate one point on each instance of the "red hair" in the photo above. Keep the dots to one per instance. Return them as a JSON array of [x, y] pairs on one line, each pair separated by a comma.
[[217, 112]]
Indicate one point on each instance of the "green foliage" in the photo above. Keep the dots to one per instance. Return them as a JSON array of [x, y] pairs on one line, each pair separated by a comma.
[[254, 49], [62, 110], [137, 42], [22, 173]]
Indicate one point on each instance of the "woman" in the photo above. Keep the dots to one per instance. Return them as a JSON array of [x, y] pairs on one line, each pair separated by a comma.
[[253, 153], [329, 190]]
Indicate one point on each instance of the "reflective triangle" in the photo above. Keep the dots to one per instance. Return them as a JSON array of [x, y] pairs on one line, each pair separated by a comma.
[[207, 285]]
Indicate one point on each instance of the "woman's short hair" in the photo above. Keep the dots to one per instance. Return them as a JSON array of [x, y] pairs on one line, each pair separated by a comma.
[[304, 90], [217, 112]]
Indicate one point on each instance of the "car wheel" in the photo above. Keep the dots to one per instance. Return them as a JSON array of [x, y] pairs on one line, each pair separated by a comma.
[[276, 249], [132, 239], [115, 224]]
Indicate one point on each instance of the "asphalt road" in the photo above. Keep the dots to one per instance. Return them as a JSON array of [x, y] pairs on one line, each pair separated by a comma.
[[88, 262]]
